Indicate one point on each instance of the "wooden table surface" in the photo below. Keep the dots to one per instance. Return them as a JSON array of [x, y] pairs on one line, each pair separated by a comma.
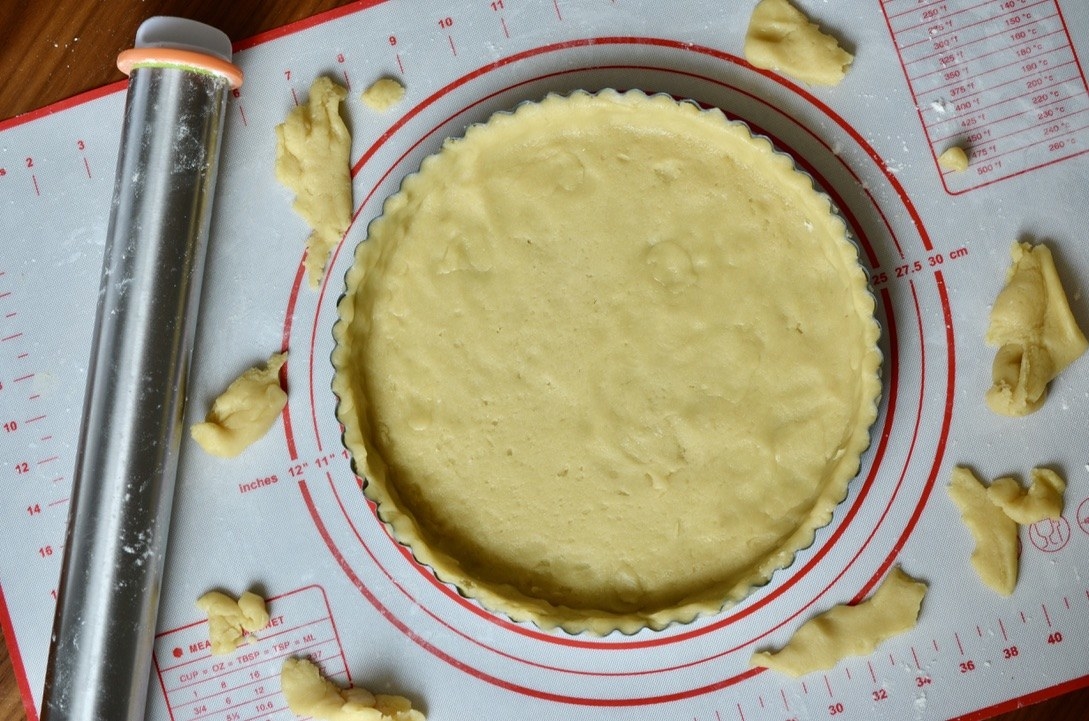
[[53, 50]]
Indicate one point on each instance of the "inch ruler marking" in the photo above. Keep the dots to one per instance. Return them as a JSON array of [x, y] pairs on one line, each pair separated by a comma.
[[998, 77], [35, 469], [43, 337]]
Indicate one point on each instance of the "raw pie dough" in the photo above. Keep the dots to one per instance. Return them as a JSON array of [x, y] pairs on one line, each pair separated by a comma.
[[312, 149], [229, 621], [310, 694], [823, 641], [781, 38], [954, 158], [995, 533], [1034, 331], [1043, 499], [383, 94], [244, 412], [607, 362]]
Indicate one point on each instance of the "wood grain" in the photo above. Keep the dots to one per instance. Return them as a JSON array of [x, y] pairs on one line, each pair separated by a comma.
[[11, 704], [53, 50]]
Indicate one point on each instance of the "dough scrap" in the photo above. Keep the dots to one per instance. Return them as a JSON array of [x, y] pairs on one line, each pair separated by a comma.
[[1043, 499], [312, 149], [229, 620], [1034, 330], [954, 158], [824, 640], [308, 693], [383, 94], [781, 38], [244, 412], [995, 533]]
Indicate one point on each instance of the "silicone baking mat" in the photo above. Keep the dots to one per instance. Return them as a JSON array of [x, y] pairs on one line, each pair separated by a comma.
[[288, 517]]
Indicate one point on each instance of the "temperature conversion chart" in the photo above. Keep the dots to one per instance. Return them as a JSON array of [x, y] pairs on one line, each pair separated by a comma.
[[1000, 78], [288, 518]]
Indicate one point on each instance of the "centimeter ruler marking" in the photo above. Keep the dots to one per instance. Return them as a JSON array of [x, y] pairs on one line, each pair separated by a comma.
[[999, 78], [890, 694]]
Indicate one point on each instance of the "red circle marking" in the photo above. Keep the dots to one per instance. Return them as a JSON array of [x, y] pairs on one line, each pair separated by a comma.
[[451, 593], [446, 589], [1050, 535], [882, 443], [1083, 515]]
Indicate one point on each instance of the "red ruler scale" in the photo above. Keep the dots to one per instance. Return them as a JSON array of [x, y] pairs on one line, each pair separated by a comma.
[[999, 78]]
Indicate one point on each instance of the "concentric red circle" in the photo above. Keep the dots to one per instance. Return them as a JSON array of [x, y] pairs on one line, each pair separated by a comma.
[[354, 513]]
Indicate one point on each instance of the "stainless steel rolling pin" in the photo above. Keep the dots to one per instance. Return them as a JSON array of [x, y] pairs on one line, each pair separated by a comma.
[[180, 76]]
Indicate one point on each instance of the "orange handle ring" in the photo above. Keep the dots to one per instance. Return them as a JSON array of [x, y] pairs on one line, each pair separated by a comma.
[[131, 59]]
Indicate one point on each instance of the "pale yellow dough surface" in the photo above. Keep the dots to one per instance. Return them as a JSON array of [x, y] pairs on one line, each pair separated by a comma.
[[1043, 499], [607, 362], [781, 38], [244, 412], [383, 94], [309, 694], [312, 159], [823, 641], [229, 621], [954, 158], [995, 533], [1034, 331]]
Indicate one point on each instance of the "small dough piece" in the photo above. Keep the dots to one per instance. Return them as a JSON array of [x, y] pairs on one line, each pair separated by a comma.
[[383, 94], [245, 412], [1034, 330], [995, 533], [823, 641], [954, 158], [308, 693], [312, 148], [781, 38], [1043, 499], [229, 621]]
